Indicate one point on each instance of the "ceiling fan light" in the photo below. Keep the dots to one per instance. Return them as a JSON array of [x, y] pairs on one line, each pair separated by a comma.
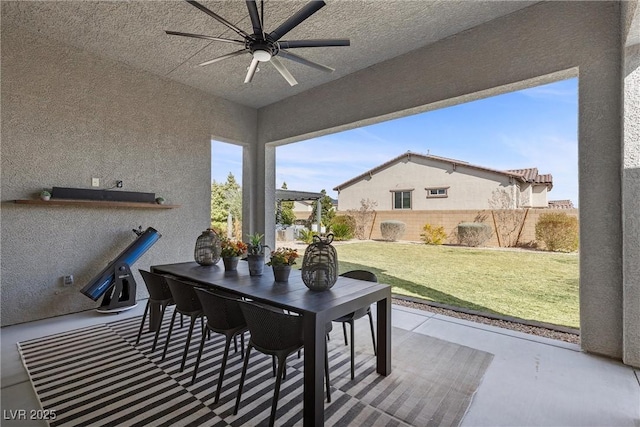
[[262, 55]]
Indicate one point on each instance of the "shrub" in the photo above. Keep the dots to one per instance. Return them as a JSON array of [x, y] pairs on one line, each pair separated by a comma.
[[433, 235], [392, 230], [473, 233], [342, 227], [558, 231], [306, 236]]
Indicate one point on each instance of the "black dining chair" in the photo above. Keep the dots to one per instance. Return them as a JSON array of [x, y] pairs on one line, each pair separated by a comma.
[[188, 304], [159, 293], [223, 317], [278, 334], [361, 312]]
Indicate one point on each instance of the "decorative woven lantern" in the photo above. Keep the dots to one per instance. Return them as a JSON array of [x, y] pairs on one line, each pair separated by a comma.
[[320, 264], [208, 248]]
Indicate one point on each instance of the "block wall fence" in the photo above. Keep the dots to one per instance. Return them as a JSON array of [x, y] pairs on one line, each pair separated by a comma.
[[449, 219]]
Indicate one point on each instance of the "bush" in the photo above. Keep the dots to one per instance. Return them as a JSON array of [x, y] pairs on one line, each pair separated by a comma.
[[558, 231], [433, 235], [473, 233], [342, 227], [392, 230], [306, 236]]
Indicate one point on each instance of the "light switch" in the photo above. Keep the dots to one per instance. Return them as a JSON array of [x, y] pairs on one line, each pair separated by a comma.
[[95, 182]]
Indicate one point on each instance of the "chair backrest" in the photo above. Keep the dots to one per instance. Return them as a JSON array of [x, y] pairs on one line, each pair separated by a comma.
[[361, 275], [223, 313], [156, 285], [272, 329], [184, 296]]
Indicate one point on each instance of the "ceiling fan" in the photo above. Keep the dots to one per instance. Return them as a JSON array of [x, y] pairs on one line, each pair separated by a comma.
[[267, 47]]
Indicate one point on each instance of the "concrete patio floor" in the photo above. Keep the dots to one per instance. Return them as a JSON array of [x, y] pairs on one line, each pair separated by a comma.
[[532, 381]]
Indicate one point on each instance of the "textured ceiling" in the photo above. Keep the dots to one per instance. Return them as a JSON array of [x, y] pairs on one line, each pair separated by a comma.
[[133, 32]]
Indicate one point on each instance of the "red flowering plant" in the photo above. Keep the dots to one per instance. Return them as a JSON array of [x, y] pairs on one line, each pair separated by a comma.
[[283, 256], [232, 248]]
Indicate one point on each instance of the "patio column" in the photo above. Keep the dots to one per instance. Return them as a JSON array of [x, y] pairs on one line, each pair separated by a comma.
[[631, 207], [258, 191]]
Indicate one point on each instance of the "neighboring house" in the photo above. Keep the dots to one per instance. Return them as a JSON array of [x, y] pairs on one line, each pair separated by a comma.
[[414, 181], [561, 204]]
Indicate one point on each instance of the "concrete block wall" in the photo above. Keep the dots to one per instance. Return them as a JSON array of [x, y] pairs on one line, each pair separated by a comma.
[[449, 219]]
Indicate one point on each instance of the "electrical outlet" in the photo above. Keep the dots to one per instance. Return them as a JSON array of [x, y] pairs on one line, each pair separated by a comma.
[[119, 184], [95, 182], [68, 280]]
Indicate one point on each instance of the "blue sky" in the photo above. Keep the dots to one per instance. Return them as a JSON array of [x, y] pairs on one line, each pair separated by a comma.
[[536, 127]]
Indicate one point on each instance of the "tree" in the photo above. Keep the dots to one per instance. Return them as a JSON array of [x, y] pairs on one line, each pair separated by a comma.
[[508, 219], [287, 216], [226, 198], [363, 218], [327, 211]]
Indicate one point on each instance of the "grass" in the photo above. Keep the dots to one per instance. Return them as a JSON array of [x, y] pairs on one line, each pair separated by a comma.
[[540, 286]]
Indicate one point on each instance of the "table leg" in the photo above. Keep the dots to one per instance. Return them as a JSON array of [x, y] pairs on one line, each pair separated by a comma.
[[314, 342], [383, 313]]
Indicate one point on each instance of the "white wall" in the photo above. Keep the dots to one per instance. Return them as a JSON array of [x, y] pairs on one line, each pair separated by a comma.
[[539, 196], [68, 116]]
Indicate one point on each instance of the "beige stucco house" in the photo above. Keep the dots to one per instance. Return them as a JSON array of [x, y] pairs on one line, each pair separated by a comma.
[[416, 181]]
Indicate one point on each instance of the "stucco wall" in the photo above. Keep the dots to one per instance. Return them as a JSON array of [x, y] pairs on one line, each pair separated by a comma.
[[631, 205], [68, 116], [546, 41], [467, 188]]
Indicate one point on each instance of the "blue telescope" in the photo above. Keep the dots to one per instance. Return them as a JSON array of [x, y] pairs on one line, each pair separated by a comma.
[[116, 282]]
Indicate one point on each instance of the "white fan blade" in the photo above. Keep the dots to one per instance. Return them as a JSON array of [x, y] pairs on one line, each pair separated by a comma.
[[252, 70], [283, 70]]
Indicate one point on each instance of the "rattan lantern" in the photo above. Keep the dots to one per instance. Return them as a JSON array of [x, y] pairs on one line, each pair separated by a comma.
[[320, 264], [208, 248]]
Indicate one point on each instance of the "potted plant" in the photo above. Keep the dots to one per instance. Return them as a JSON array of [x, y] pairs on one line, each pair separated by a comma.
[[231, 251], [45, 195], [281, 261], [160, 200], [255, 254]]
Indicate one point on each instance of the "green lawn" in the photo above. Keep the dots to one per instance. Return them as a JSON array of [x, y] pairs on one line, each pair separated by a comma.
[[530, 285]]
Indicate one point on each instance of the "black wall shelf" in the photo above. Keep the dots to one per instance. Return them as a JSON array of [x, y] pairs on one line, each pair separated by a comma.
[[94, 203]]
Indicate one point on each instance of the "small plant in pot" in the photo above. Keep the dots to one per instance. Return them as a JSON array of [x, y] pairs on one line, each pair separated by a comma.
[[281, 261], [231, 251], [255, 254], [45, 195]]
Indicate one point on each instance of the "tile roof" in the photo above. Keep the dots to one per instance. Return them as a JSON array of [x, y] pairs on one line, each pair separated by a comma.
[[561, 204], [529, 175]]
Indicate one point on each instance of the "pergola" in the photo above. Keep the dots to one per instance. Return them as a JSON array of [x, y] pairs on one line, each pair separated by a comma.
[[97, 89], [300, 196]]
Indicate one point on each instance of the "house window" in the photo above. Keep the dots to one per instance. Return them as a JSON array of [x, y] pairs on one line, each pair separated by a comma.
[[402, 200], [437, 192]]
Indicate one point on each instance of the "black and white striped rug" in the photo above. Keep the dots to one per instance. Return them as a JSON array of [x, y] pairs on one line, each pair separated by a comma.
[[97, 377]]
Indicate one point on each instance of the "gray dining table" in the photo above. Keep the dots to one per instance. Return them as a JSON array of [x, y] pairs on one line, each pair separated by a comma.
[[317, 308]]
